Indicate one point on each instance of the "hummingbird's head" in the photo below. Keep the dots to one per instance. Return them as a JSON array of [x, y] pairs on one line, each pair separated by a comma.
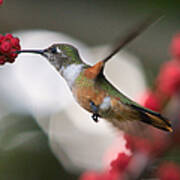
[[58, 55]]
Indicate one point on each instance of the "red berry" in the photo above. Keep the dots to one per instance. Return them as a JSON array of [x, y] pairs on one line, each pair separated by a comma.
[[8, 36], [8, 47], [2, 60], [5, 47], [1, 37], [11, 60], [18, 47], [13, 53], [15, 42]]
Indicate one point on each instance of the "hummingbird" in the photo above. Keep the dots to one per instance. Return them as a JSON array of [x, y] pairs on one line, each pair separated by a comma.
[[94, 92]]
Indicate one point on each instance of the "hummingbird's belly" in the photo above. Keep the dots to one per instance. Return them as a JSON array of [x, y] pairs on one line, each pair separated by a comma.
[[116, 110], [85, 95]]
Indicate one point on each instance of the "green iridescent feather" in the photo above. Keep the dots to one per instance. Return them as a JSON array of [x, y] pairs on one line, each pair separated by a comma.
[[103, 83]]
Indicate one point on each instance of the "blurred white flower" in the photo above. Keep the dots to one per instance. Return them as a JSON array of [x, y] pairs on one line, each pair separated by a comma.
[[32, 85]]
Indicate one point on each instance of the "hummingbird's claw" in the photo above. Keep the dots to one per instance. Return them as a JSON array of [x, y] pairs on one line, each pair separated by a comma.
[[95, 110], [95, 117]]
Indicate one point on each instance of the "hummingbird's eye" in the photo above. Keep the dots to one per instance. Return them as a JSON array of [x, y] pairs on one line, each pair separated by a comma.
[[54, 50]]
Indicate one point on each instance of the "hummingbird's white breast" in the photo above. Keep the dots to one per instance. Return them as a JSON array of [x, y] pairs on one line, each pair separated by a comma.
[[71, 72]]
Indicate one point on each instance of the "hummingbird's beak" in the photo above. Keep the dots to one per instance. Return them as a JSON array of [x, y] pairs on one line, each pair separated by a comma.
[[30, 51], [41, 52]]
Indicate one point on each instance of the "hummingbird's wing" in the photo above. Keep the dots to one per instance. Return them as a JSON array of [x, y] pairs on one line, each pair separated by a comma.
[[98, 68], [123, 111], [133, 33]]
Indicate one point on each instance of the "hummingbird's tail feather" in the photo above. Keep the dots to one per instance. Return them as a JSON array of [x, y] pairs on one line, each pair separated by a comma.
[[153, 118], [157, 121]]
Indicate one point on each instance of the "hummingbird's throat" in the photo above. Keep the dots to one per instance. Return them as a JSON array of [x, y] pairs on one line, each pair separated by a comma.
[[55, 62], [71, 72]]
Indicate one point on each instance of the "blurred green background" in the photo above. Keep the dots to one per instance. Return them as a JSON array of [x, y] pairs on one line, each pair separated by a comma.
[[95, 23]]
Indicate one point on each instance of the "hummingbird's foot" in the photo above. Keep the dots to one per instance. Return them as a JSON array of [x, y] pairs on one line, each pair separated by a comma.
[[95, 117], [95, 110]]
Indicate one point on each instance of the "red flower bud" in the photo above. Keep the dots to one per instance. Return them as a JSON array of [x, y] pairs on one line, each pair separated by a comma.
[[90, 176], [175, 46], [129, 142], [151, 101], [168, 81], [1, 2], [152, 147], [121, 163], [1, 37], [100, 176], [169, 171]]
